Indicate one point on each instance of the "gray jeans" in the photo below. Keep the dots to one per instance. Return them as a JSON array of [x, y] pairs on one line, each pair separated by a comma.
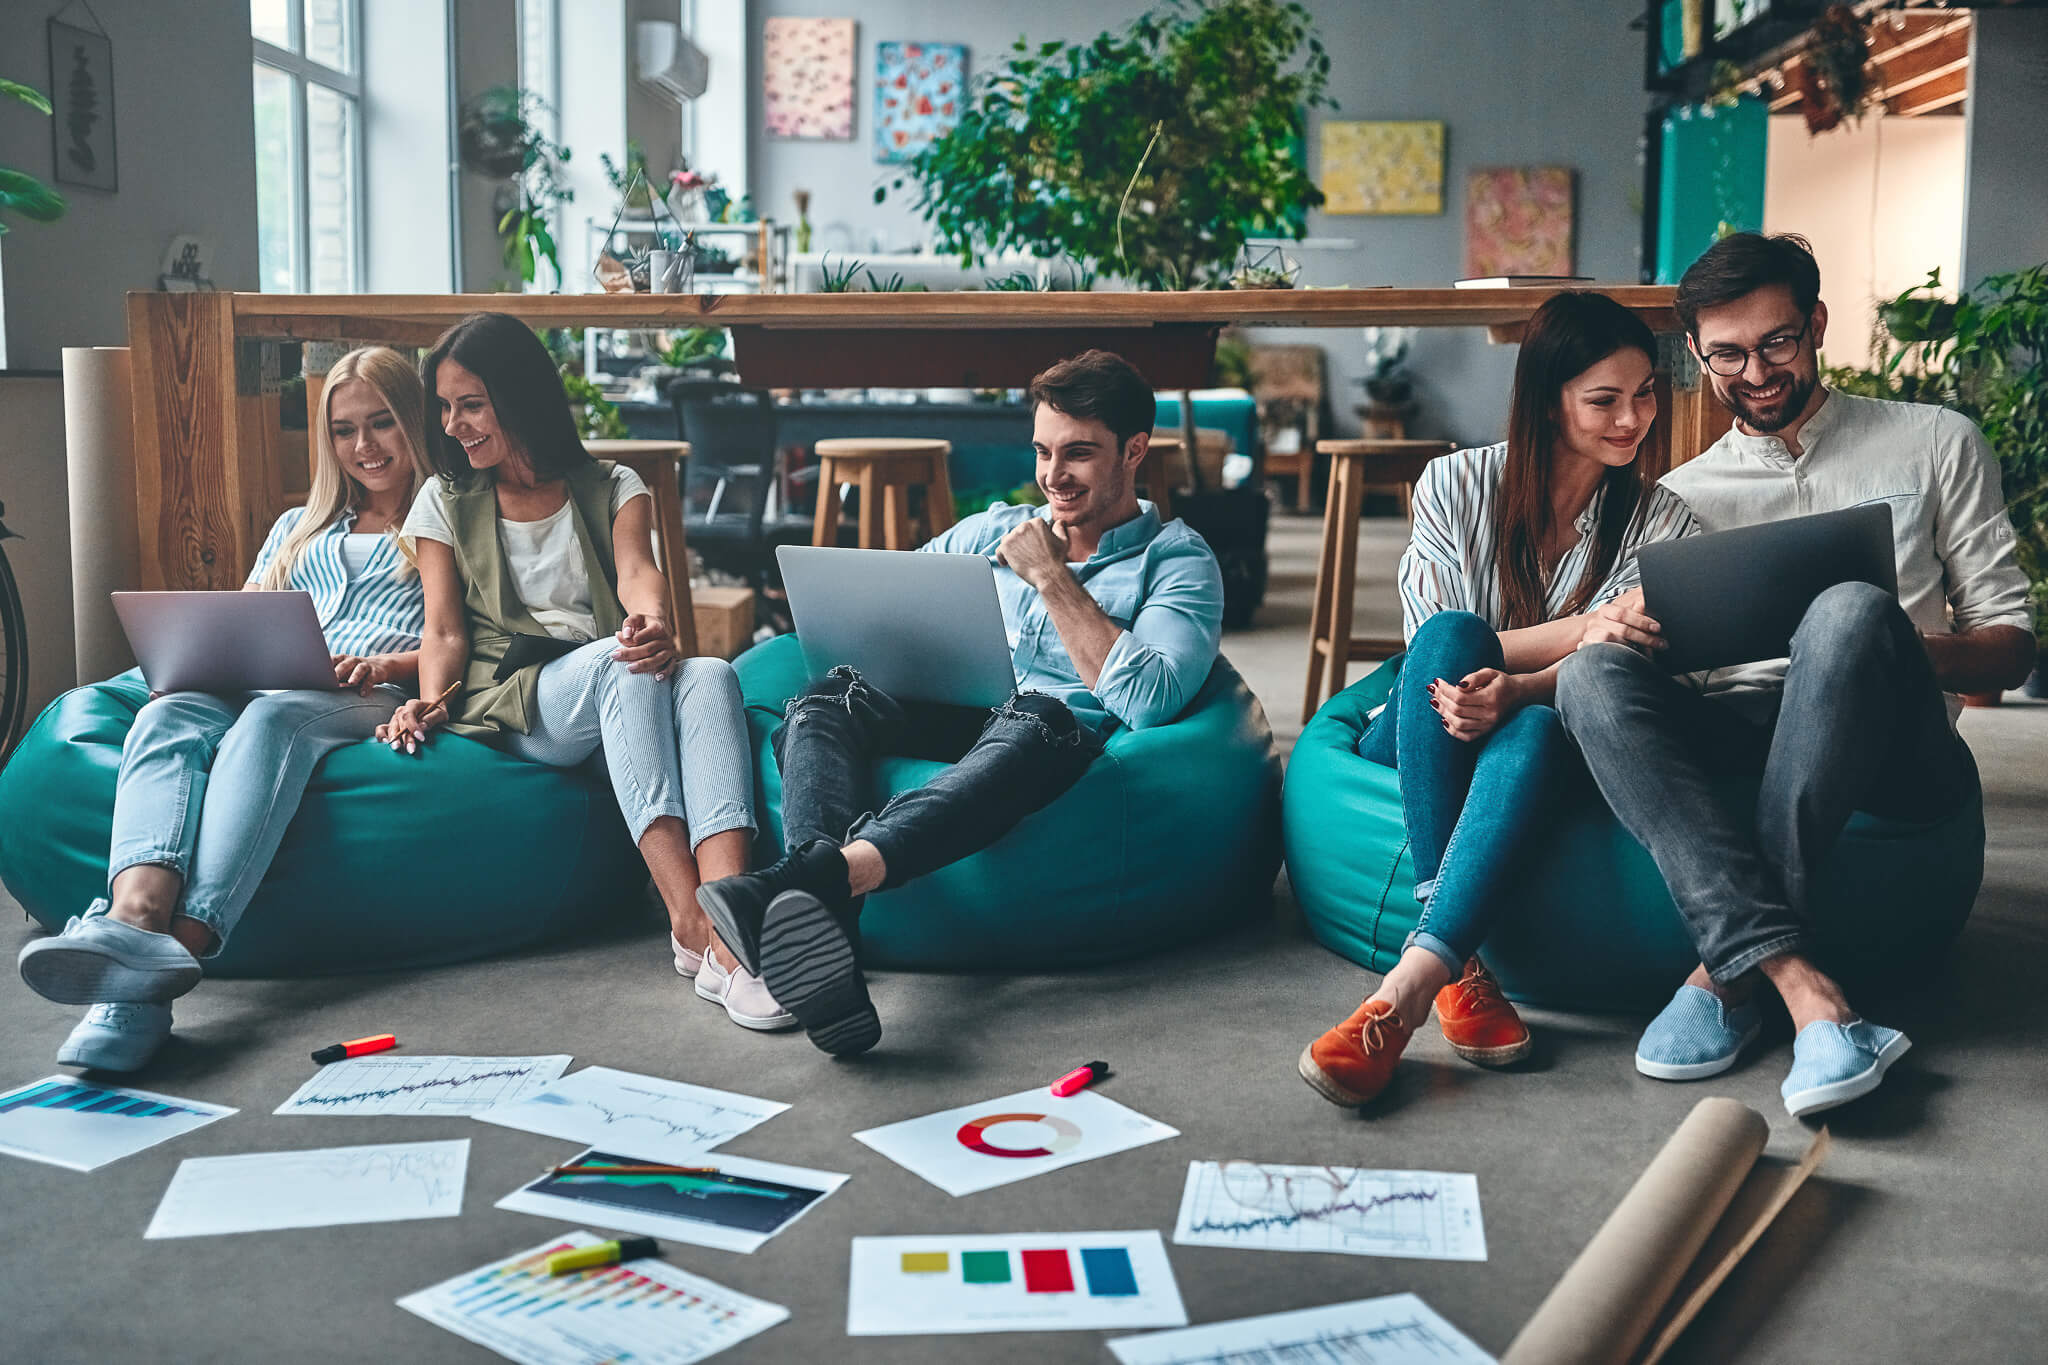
[[1861, 725], [674, 747]]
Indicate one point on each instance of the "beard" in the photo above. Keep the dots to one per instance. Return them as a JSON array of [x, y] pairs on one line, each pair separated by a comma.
[[1781, 413]]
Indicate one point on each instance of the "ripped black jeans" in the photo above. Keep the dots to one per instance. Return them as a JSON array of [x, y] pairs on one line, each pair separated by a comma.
[[1027, 752]]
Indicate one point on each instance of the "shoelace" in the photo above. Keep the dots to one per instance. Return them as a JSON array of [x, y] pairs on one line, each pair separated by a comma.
[[1372, 1034], [112, 1015], [1477, 987]]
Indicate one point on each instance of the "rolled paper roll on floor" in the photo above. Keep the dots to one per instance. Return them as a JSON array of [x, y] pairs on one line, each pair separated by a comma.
[[99, 459]]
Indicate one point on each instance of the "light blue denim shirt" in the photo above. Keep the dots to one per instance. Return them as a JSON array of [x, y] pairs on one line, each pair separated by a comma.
[[1159, 582]]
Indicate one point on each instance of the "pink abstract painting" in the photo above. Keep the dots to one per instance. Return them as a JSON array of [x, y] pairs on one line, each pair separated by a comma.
[[807, 78], [1518, 221]]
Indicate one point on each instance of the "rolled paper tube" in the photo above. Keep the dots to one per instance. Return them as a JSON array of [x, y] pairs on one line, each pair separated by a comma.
[[99, 460], [1607, 1301]]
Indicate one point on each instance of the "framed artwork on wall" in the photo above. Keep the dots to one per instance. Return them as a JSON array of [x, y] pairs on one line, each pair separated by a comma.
[[920, 89], [82, 106], [807, 78], [1518, 221], [1383, 167]]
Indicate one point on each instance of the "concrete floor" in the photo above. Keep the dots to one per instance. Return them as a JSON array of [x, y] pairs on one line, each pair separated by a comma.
[[1920, 1241]]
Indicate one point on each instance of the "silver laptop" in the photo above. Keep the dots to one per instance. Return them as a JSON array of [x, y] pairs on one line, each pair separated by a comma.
[[226, 641], [1735, 597], [922, 627]]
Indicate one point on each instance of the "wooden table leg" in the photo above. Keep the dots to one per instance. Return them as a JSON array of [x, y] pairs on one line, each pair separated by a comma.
[[825, 525], [896, 516], [1351, 486], [1319, 612], [675, 556], [938, 498], [870, 507]]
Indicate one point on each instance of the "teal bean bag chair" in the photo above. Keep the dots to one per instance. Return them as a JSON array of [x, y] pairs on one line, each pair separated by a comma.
[[1171, 835], [390, 861], [1594, 927]]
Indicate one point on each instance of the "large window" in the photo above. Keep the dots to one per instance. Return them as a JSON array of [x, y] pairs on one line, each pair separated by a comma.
[[309, 160]]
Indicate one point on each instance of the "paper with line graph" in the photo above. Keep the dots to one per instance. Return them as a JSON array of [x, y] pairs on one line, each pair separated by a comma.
[[1429, 1215], [264, 1191], [736, 1207], [644, 1116], [391, 1084], [1399, 1329]]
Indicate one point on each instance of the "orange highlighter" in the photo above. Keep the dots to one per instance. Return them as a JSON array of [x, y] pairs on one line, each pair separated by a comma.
[[356, 1047]]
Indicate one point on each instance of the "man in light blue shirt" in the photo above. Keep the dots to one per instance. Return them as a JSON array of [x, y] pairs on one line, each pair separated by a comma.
[[1113, 620]]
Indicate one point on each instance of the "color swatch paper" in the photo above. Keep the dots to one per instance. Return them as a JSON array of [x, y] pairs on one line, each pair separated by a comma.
[[1029, 1282]]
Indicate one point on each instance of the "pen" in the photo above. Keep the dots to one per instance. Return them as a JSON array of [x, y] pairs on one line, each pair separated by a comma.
[[1080, 1078], [632, 1170], [604, 1253], [407, 740], [356, 1047]]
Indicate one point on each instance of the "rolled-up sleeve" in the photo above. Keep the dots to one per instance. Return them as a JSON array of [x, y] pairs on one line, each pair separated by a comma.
[[1161, 660], [1974, 539]]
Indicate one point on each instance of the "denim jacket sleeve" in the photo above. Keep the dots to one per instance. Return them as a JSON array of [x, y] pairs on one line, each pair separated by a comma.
[[1158, 664]]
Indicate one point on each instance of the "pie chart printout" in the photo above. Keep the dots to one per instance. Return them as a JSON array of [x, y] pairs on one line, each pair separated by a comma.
[[976, 1137], [994, 1142]]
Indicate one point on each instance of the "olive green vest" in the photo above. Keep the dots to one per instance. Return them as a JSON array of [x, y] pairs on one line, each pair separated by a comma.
[[492, 606]]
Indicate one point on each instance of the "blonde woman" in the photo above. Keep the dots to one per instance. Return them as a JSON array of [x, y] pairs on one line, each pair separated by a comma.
[[208, 783]]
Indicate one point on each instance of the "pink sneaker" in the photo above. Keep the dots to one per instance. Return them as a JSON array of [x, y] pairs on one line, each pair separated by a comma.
[[687, 962], [746, 999]]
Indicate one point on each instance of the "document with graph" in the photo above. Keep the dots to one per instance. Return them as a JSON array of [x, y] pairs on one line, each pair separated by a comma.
[[326, 1187], [735, 1206], [643, 1116], [63, 1121], [1431, 1215], [1399, 1329], [459, 1087]]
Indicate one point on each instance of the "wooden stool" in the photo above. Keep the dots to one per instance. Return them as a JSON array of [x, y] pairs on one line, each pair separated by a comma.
[[1354, 465], [1155, 474], [884, 468], [657, 462]]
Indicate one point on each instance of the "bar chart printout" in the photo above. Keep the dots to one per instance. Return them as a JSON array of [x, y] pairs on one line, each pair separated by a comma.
[[1432, 1215], [1399, 1329], [66, 1122], [1029, 1282], [648, 1312]]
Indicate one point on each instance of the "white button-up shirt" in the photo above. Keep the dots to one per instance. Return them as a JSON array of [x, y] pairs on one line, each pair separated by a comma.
[[1954, 540]]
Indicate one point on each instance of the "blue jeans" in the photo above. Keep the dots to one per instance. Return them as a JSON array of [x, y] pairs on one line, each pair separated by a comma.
[[208, 785], [1861, 725], [676, 746], [1471, 807]]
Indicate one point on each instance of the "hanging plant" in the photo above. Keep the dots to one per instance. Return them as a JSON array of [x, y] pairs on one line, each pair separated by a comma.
[[498, 138], [1834, 77], [21, 192]]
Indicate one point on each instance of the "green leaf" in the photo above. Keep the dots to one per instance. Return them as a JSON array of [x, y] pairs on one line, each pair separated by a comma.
[[24, 194], [27, 94]]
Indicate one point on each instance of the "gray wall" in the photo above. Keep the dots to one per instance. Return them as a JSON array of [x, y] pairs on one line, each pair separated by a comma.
[[32, 484], [2006, 222], [1552, 82], [186, 154]]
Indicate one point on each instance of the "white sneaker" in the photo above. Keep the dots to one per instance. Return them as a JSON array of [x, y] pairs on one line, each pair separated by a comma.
[[744, 996], [99, 958], [117, 1037], [687, 962]]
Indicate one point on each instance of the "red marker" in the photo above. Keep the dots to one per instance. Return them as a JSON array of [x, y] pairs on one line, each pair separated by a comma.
[[1080, 1078], [356, 1047]]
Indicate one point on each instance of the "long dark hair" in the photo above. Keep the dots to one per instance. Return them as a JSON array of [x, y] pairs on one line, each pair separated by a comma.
[[525, 389], [1570, 333]]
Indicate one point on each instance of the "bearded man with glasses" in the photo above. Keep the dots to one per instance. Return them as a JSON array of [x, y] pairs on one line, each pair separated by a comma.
[[1862, 715]]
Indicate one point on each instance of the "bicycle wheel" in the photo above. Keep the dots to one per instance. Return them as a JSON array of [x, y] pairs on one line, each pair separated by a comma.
[[13, 653]]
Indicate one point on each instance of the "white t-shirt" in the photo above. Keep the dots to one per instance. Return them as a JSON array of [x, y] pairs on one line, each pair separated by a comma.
[[547, 566], [356, 549]]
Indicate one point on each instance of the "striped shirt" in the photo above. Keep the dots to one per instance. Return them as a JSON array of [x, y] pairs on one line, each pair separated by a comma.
[[372, 611], [1449, 563]]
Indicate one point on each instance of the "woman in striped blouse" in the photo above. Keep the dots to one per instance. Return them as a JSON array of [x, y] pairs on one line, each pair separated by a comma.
[[1521, 552], [208, 783]]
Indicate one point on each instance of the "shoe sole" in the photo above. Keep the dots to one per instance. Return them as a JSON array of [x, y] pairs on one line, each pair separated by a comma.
[[1319, 1080], [723, 918], [1495, 1056], [1697, 1071], [78, 976], [1820, 1097], [809, 967]]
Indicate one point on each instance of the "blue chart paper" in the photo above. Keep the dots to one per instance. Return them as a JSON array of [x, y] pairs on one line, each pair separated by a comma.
[[66, 1122]]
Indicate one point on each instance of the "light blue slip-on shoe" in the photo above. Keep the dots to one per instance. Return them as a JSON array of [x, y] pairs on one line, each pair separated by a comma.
[[117, 1037], [1835, 1063], [98, 958], [1696, 1036]]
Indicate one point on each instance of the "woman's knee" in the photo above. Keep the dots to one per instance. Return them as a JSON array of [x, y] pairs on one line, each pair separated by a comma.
[[1455, 639], [179, 718]]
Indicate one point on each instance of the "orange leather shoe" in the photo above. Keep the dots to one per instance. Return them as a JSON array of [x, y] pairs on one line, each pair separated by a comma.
[[1478, 1022], [1353, 1062]]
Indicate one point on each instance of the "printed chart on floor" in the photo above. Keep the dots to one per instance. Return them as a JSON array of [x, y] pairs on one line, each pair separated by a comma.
[[458, 1086], [979, 1146], [648, 1312], [66, 1122], [735, 1207], [264, 1191], [1028, 1282], [1429, 1215], [620, 1111], [1399, 1329]]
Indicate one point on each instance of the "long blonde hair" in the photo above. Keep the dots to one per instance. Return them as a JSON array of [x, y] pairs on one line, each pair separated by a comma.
[[333, 492]]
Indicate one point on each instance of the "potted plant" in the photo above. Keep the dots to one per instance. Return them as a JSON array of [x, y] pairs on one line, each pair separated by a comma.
[[1149, 154], [499, 139], [1387, 381]]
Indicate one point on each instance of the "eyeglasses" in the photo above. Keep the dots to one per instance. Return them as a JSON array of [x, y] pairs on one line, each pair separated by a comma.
[[1730, 361]]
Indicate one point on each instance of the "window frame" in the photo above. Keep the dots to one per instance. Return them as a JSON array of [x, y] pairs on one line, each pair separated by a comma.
[[304, 72]]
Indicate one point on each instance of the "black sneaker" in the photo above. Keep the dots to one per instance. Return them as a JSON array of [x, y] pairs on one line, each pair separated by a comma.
[[736, 905], [808, 963]]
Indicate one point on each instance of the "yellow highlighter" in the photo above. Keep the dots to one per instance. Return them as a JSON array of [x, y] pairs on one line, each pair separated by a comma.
[[604, 1253]]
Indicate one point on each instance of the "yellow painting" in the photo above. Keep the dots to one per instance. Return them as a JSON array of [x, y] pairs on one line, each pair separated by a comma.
[[1383, 167]]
